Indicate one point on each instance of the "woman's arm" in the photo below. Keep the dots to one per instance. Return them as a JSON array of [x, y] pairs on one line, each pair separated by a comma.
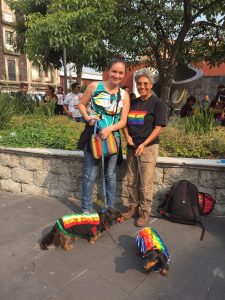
[[85, 100], [128, 137]]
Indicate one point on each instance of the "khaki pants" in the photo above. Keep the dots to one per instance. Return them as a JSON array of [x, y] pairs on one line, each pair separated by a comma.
[[138, 195]]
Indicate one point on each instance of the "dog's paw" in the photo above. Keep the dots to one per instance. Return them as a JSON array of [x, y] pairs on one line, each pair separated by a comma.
[[120, 220], [164, 272], [67, 247], [43, 247]]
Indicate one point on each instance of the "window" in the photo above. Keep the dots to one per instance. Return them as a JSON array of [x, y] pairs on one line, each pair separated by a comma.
[[46, 74], [11, 64], [7, 17], [9, 37]]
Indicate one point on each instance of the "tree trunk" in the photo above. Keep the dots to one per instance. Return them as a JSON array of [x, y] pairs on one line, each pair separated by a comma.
[[166, 85], [79, 72]]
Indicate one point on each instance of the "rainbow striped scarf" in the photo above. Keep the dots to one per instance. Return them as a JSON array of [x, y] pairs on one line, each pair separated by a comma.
[[147, 238]]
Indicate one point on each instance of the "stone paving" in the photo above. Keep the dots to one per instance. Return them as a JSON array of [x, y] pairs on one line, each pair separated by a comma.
[[109, 269]]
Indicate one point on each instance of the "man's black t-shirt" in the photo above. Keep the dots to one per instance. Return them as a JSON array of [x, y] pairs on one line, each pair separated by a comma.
[[143, 117]]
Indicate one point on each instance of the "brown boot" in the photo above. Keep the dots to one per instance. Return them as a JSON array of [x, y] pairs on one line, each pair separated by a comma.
[[143, 219], [132, 212]]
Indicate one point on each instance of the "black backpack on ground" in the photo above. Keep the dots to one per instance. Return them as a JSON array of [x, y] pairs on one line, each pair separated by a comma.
[[182, 205]]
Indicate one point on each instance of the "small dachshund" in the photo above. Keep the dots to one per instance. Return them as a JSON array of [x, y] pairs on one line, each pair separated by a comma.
[[70, 227], [153, 251]]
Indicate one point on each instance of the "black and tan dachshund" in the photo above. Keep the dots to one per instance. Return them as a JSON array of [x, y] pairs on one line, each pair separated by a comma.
[[70, 227], [153, 251]]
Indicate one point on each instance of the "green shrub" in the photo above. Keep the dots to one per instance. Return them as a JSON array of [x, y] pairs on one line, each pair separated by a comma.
[[60, 132], [201, 122], [40, 132], [7, 110], [45, 110], [176, 142]]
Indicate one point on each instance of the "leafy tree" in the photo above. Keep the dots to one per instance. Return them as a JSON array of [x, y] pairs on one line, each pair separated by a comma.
[[159, 32], [45, 27], [163, 33]]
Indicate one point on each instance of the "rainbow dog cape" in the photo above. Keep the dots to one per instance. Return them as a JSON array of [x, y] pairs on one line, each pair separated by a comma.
[[147, 238], [76, 225]]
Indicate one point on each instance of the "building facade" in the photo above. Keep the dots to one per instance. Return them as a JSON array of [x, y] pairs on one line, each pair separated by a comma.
[[14, 66]]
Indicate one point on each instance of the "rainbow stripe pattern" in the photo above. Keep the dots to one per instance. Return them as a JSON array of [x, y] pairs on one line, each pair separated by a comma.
[[80, 219], [136, 117], [147, 239], [68, 222], [109, 145], [96, 146]]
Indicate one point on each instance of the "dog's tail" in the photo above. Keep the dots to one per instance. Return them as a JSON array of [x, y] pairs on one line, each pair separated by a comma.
[[48, 238]]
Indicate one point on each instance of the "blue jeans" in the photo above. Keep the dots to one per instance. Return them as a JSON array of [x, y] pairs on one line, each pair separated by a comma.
[[90, 172]]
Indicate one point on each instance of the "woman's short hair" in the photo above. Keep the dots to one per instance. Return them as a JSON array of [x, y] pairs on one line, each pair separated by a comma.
[[146, 73]]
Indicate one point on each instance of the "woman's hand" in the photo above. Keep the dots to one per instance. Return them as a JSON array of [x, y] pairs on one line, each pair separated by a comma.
[[129, 141], [91, 120], [105, 132], [140, 150]]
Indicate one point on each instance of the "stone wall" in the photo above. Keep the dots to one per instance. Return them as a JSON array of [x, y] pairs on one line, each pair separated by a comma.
[[58, 173]]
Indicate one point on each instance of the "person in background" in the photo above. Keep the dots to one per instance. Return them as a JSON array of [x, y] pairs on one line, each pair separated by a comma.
[[26, 100], [187, 110], [60, 101], [110, 106], [49, 96], [217, 105], [126, 88], [23, 92], [132, 96], [146, 119], [71, 102], [205, 103]]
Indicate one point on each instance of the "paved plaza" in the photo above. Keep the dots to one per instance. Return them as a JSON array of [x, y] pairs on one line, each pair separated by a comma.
[[109, 269]]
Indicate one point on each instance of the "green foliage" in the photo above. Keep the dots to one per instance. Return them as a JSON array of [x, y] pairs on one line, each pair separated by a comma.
[[59, 132], [162, 32], [45, 110], [7, 110], [79, 26], [200, 123], [14, 105], [176, 142]]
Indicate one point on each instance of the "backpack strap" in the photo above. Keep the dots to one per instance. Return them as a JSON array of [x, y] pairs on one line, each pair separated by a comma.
[[203, 230], [197, 216]]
